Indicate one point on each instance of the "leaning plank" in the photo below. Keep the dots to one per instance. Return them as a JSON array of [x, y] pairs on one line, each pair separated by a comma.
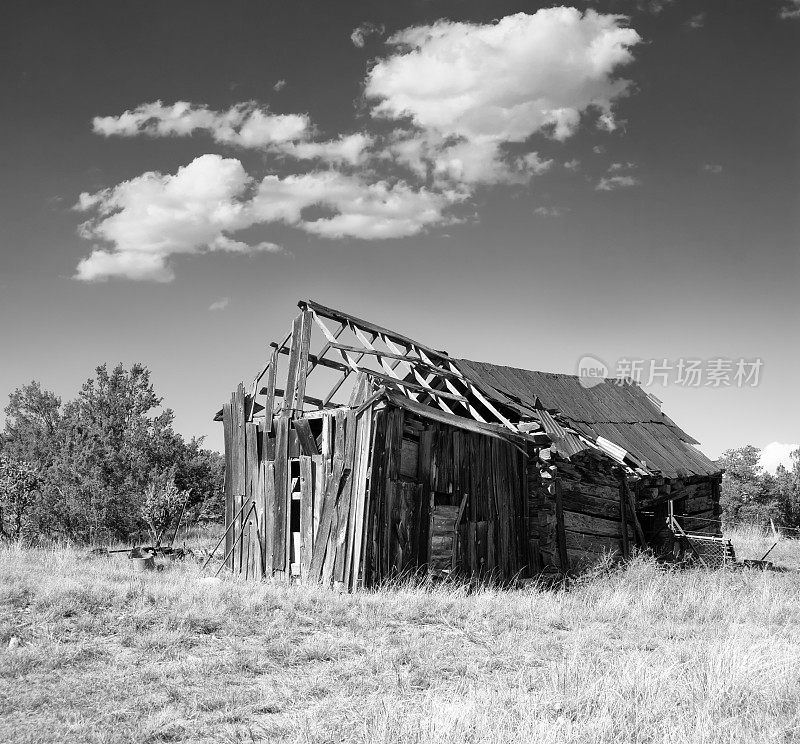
[[269, 391], [294, 361], [308, 445], [302, 362], [345, 499], [328, 512]]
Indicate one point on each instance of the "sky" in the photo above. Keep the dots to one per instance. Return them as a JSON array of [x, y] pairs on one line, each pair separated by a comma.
[[520, 183]]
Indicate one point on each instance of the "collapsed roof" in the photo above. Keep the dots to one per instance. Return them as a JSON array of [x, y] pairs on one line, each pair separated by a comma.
[[615, 416]]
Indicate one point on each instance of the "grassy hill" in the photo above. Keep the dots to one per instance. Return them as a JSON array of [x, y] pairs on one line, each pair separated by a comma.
[[634, 655]]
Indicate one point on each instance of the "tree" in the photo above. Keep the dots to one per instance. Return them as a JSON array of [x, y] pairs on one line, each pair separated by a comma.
[[162, 504], [18, 483], [98, 454], [744, 497]]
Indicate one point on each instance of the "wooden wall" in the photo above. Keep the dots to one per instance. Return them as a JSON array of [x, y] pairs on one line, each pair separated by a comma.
[[579, 511], [446, 499], [295, 491]]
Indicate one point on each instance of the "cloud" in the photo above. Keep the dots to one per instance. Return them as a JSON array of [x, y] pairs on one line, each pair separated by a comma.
[[220, 304], [350, 149], [777, 453], [612, 183], [147, 220], [506, 80], [791, 10], [573, 165], [279, 86], [470, 90], [464, 99], [550, 211], [712, 168], [617, 167], [143, 223], [698, 20], [243, 125], [366, 29]]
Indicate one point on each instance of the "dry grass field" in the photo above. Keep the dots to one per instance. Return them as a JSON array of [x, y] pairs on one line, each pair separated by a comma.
[[639, 654]]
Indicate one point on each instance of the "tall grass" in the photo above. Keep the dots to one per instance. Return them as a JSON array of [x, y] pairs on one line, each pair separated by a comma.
[[638, 654]]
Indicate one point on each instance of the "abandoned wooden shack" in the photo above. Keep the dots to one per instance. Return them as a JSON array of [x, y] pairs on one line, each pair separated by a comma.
[[381, 456]]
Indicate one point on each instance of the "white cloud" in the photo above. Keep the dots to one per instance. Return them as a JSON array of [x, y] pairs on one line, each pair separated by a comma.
[[777, 453], [791, 10], [363, 210], [366, 29], [573, 164], [550, 211], [612, 183], [466, 98], [350, 149], [712, 168], [143, 223], [506, 80], [698, 20], [279, 86], [617, 167], [150, 218], [244, 125], [471, 89], [220, 304]]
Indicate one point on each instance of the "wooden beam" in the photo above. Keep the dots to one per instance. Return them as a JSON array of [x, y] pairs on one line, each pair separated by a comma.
[[315, 359], [416, 386], [307, 398], [342, 317]]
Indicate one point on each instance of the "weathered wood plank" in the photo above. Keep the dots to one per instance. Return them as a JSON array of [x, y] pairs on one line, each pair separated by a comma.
[[239, 469], [306, 515], [302, 363], [282, 495], [592, 525], [269, 515], [294, 362], [365, 463], [308, 445], [328, 511], [269, 392], [230, 513]]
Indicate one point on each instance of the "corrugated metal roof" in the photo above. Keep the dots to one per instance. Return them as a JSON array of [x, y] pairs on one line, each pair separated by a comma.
[[621, 413]]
